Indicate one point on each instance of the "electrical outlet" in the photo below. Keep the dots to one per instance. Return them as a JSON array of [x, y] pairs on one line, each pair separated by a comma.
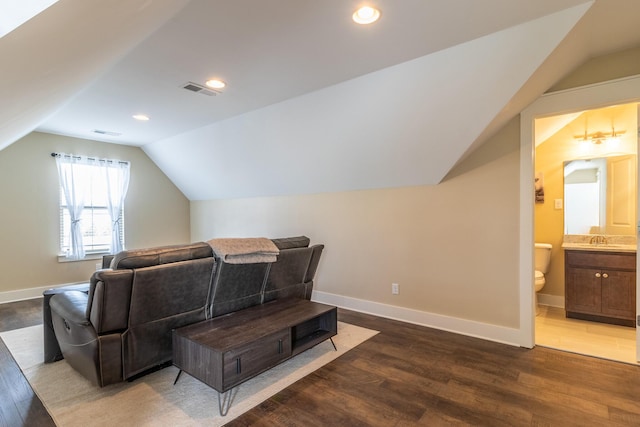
[[395, 288]]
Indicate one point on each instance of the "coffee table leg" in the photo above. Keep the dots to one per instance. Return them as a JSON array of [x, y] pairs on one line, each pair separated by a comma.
[[225, 399], [177, 376], [334, 344]]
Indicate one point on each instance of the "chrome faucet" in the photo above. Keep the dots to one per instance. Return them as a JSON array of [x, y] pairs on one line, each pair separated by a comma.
[[598, 240]]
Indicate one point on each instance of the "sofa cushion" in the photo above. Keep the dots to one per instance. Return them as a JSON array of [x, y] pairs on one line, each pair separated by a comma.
[[291, 242], [139, 258]]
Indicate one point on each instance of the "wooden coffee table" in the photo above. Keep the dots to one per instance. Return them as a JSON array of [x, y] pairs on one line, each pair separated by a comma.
[[225, 351]]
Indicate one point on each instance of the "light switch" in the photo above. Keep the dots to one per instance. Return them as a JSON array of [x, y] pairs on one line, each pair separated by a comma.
[[557, 203]]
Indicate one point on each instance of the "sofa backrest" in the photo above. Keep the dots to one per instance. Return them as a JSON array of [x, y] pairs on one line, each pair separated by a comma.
[[292, 242], [111, 290], [164, 297], [239, 286], [139, 258], [236, 286], [286, 275]]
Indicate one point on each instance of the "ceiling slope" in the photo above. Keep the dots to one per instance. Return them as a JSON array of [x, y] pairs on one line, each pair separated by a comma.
[[404, 125], [54, 56], [269, 51]]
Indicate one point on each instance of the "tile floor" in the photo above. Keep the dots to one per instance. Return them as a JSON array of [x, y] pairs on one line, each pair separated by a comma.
[[602, 340]]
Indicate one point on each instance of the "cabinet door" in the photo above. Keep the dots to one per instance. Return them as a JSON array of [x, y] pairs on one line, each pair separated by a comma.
[[583, 290], [619, 294], [245, 362]]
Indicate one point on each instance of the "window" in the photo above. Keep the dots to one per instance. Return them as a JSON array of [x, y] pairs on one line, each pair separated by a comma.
[[95, 218], [92, 193]]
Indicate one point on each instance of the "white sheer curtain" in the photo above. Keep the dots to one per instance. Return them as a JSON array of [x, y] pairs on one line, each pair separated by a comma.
[[117, 176], [71, 171], [87, 181]]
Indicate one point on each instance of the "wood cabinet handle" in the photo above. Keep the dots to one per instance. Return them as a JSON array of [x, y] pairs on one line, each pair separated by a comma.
[[238, 366], [598, 274], [605, 275]]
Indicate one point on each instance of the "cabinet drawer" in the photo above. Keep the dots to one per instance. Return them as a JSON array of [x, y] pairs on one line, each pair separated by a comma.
[[247, 361], [607, 260]]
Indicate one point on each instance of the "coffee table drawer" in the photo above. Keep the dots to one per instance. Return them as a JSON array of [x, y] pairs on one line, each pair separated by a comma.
[[247, 361]]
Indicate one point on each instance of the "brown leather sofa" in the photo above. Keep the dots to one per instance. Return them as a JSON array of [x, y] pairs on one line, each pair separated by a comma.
[[121, 327]]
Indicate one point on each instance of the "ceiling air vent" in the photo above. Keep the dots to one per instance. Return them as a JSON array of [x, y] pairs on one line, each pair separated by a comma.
[[106, 132], [194, 87]]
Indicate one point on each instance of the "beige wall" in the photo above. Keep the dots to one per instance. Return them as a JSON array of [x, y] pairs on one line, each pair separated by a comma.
[[156, 212], [603, 68], [549, 160], [449, 246]]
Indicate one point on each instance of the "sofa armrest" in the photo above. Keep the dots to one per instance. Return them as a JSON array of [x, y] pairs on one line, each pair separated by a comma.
[[313, 265], [72, 306], [52, 352]]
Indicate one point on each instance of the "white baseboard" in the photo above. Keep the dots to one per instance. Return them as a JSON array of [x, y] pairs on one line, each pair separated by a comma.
[[551, 300], [24, 294], [471, 328]]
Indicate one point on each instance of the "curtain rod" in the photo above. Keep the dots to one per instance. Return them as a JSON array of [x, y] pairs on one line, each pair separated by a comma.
[[122, 162]]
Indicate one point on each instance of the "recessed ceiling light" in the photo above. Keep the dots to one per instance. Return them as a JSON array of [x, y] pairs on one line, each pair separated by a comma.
[[215, 83], [141, 117], [366, 15]]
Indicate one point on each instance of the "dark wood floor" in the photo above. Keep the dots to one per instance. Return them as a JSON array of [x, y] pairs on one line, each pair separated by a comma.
[[409, 375], [19, 406]]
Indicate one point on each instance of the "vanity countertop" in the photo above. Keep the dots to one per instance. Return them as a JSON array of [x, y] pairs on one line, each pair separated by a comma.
[[601, 243], [614, 247]]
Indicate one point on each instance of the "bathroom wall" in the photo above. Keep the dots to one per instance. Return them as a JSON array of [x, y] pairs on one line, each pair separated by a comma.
[[549, 161]]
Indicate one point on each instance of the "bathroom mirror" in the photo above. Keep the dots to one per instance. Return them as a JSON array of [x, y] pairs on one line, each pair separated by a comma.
[[600, 195]]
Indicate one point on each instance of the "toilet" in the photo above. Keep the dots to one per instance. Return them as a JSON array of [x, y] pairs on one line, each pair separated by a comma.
[[542, 258]]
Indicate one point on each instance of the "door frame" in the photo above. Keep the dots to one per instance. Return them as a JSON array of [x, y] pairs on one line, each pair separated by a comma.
[[599, 95]]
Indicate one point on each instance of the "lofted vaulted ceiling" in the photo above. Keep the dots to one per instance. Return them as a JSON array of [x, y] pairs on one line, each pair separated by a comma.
[[313, 102]]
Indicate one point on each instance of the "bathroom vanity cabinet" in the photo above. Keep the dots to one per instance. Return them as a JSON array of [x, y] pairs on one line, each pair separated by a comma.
[[601, 286]]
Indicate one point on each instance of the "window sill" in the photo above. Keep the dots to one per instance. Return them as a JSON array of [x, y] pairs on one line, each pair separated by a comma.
[[87, 257]]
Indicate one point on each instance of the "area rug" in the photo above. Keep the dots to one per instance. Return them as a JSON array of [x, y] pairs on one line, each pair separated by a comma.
[[153, 400]]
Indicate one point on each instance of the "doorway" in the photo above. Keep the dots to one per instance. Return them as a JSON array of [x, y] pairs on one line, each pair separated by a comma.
[[565, 102]]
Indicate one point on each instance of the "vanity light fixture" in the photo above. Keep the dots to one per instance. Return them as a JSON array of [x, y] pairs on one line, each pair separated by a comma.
[[600, 137], [366, 15], [141, 117]]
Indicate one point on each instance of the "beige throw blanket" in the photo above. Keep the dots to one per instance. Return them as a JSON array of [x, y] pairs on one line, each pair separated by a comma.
[[244, 250]]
